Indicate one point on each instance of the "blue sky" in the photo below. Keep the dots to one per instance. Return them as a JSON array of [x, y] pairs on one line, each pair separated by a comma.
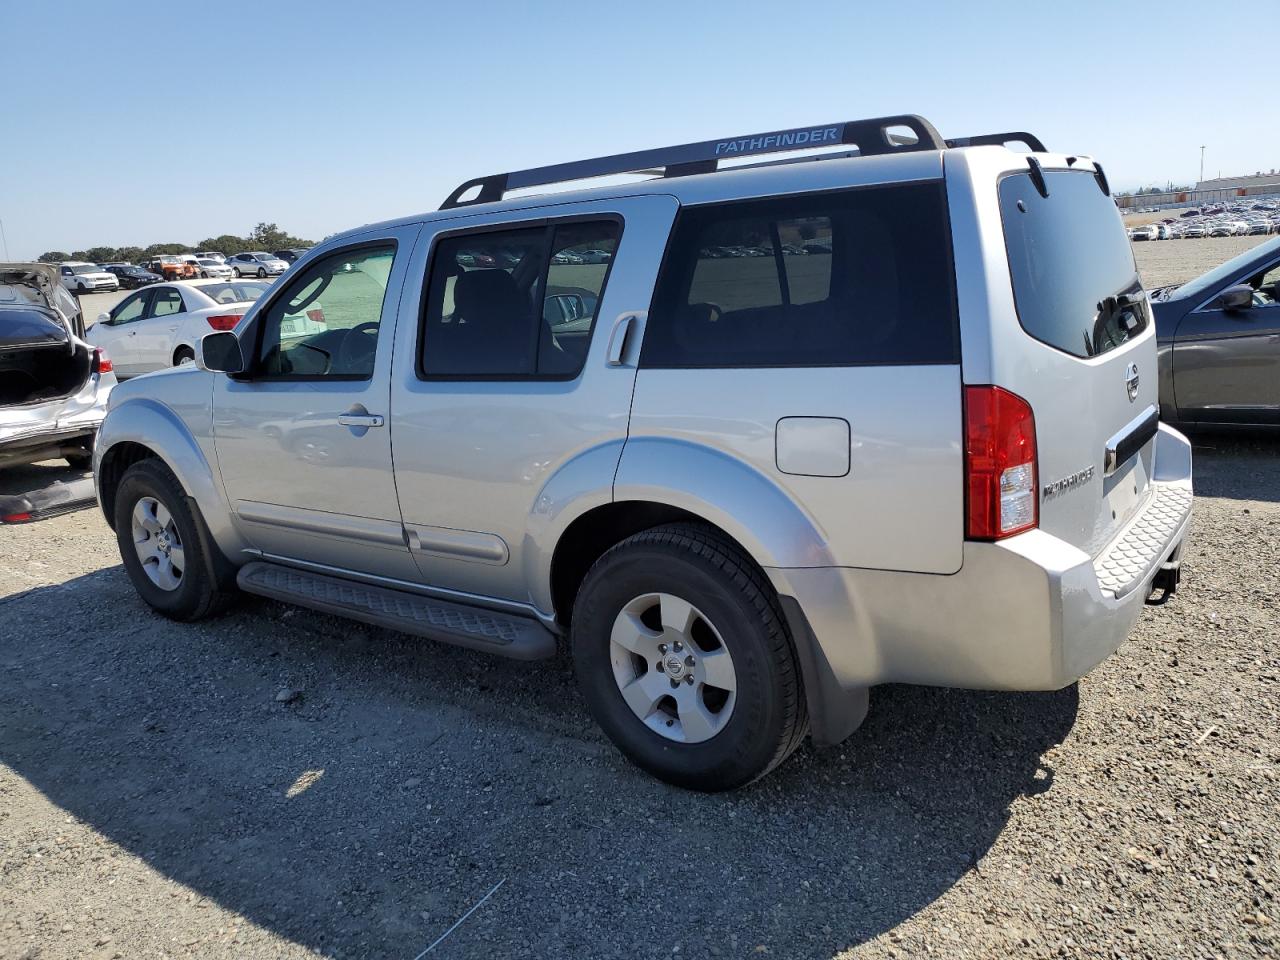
[[325, 115]]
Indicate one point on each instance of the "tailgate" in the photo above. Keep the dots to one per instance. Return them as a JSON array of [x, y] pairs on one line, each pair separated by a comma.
[[1084, 355]]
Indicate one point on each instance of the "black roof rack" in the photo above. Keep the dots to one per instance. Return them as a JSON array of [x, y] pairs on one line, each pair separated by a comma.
[[874, 136], [999, 140]]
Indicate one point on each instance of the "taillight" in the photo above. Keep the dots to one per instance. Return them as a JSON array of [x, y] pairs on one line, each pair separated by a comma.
[[101, 362], [1000, 464], [225, 322]]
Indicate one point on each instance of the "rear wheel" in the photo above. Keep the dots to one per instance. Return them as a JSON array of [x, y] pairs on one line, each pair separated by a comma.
[[236, 271], [162, 546], [684, 659], [183, 355]]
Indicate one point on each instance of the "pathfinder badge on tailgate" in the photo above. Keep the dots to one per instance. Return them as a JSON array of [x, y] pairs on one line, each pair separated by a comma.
[[1080, 477]]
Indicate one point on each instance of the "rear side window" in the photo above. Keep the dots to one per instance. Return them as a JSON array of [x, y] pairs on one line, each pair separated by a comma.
[[1074, 280], [820, 280], [515, 304]]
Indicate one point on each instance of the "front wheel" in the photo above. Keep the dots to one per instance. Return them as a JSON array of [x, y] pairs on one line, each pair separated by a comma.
[[684, 659], [162, 547], [262, 273]]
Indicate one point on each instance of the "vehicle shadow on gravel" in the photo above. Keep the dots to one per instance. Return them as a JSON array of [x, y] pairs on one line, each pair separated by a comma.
[[357, 791]]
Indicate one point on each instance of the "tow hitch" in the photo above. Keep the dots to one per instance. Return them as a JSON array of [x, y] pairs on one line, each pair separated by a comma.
[[1165, 584]]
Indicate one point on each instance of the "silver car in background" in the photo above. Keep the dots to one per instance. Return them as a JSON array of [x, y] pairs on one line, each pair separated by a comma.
[[257, 265], [53, 385]]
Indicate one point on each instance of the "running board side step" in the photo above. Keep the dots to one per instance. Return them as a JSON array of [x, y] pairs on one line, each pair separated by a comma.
[[463, 625]]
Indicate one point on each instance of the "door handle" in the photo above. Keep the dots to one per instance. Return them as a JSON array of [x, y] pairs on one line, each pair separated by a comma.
[[360, 420], [618, 340]]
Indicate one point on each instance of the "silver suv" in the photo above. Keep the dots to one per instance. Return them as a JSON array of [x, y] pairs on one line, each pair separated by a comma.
[[750, 441]]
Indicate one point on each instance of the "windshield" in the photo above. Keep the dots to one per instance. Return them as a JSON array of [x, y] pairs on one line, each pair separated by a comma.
[[1218, 275], [209, 263], [237, 291], [1071, 264], [83, 268]]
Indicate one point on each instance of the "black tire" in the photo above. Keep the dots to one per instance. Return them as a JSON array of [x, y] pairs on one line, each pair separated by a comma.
[[697, 565], [183, 355], [262, 273], [236, 271], [201, 592]]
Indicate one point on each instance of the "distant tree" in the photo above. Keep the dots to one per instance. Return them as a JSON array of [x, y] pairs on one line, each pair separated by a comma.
[[228, 243], [268, 236], [101, 254], [161, 249], [265, 236]]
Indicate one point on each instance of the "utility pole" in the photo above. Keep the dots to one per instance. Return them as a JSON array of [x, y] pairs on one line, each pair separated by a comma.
[[4, 240], [1202, 164]]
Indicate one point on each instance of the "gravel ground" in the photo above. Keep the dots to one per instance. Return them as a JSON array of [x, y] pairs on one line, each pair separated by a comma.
[[1176, 261], [279, 783]]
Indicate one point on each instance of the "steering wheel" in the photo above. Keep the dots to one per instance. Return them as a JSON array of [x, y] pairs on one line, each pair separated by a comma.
[[358, 345]]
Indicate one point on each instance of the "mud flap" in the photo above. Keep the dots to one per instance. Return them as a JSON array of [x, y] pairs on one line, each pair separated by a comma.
[[835, 711]]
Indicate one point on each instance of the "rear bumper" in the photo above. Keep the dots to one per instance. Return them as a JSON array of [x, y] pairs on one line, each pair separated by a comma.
[[1028, 613]]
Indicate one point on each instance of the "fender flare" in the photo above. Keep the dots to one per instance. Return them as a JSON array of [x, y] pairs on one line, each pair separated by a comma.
[[735, 496], [578, 486], [151, 424]]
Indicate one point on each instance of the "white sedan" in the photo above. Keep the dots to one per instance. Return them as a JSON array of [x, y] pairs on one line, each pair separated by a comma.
[[159, 326], [214, 269]]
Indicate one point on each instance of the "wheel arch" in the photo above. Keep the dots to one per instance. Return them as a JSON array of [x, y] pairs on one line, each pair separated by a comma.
[[143, 428], [657, 481]]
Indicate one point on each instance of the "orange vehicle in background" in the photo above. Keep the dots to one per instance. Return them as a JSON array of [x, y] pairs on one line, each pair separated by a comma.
[[172, 267]]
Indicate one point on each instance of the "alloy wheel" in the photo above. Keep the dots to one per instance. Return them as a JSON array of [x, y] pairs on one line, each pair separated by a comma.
[[158, 543], [672, 668]]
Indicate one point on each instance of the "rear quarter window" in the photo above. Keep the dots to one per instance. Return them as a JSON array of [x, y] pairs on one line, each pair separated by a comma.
[[846, 278], [1070, 263]]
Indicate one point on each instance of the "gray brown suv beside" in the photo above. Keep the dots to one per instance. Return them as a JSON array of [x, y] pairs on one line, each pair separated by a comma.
[[747, 440]]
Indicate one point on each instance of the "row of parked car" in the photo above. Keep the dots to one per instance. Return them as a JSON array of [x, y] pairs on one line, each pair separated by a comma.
[[1236, 220], [81, 277]]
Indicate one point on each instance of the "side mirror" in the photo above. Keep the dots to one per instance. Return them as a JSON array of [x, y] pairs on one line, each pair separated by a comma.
[[565, 307], [1239, 297], [104, 317], [220, 353]]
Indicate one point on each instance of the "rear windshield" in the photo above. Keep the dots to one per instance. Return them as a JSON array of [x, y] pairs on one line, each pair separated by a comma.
[[238, 291], [1071, 263], [822, 280]]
